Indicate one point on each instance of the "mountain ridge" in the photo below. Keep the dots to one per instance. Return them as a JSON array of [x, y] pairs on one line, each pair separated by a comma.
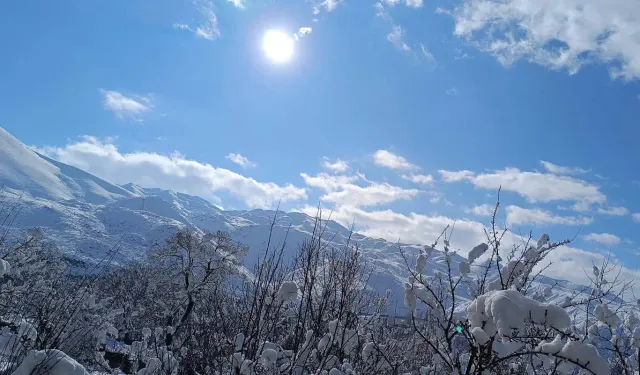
[[86, 217]]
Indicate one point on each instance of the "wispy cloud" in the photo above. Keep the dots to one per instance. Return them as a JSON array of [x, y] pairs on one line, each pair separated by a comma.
[[337, 166], [397, 34], [342, 190], [613, 211], [534, 186], [241, 160], [558, 169], [607, 239], [536, 216], [328, 5], [126, 106], [409, 3], [423, 179], [452, 91], [384, 158], [636, 217], [426, 55], [396, 37], [208, 27], [481, 210], [237, 3], [455, 176], [174, 172], [305, 30]]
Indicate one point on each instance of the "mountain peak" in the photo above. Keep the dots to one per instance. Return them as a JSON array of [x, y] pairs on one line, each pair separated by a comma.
[[41, 177], [23, 169]]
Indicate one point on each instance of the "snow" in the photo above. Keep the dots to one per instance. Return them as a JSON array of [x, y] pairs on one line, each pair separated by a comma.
[[605, 315], [585, 355], [239, 342], [504, 311], [269, 357], [5, 267], [420, 263], [26, 331], [543, 240], [54, 361], [324, 341], [41, 177], [553, 347], [464, 268], [477, 251], [480, 336], [23, 168], [409, 297], [288, 291]]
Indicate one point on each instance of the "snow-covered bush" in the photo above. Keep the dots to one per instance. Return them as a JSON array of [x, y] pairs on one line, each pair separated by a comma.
[[507, 327], [193, 309]]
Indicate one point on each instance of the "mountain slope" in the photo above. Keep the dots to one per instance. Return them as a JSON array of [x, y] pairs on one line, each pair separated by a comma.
[[40, 177], [86, 217]]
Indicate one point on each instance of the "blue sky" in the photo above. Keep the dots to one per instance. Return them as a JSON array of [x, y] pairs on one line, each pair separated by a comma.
[[393, 89]]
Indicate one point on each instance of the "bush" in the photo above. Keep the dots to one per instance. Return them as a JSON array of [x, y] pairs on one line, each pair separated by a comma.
[[193, 309]]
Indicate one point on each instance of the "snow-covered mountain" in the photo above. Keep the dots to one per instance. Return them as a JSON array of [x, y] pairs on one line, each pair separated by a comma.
[[86, 216]]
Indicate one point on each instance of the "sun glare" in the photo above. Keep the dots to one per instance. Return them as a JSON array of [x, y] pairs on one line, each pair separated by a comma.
[[278, 46]]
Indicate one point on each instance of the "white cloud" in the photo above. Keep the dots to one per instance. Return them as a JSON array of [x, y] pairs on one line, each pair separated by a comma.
[[396, 37], [208, 28], [182, 26], [424, 179], [534, 186], [397, 34], [328, 182], [328, 5], [481, 210], [374, 194], [636, 217], [558, 169], [613, 211], [384, 158], [435, 196], [409, 3], [305, 30], [174, 172], [455, 176], [427, 55], [414, 3], [341, 190], [452, 91], [237, 3], [241, 160], [556, 34], [607, 239], [422, 229], [338, 166], [126, 106], [302, 32], [382, 12], [536, 216], [412, 228]]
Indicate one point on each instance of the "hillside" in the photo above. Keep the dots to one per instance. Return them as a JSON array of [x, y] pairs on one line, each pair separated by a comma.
[[86, 216]]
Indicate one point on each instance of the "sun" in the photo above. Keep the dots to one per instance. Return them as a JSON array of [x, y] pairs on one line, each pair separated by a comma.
[[278, 46]]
